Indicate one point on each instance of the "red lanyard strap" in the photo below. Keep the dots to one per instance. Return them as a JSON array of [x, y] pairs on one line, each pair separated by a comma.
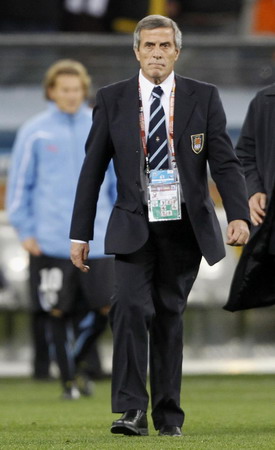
[[171, 123]]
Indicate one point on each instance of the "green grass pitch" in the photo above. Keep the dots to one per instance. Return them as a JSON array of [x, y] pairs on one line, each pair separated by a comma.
[[222, 412]]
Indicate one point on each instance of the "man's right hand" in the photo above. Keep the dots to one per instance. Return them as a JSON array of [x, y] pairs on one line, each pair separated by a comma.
[[31, 245], [79, 254], [257, 205]]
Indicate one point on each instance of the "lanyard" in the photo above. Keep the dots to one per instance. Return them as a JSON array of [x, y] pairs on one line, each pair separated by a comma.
[[170, 128]]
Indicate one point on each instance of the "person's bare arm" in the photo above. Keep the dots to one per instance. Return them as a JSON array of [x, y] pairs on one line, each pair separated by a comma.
[[31, 245]]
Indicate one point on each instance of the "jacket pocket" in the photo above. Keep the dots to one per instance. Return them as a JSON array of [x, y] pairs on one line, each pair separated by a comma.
[[128, 206]]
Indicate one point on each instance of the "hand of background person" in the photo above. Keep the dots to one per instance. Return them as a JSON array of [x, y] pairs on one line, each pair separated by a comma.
[[79, 254], [31, 245], [237, 233], [257, 205]]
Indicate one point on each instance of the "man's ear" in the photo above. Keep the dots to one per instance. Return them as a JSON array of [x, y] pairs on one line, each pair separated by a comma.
[[177, 54], [137, 53]]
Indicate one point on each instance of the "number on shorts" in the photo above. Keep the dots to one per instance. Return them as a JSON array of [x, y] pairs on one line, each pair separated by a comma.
[[51, 281]]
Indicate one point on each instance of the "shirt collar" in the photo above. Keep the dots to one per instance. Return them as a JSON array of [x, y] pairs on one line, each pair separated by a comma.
[[146, 86]]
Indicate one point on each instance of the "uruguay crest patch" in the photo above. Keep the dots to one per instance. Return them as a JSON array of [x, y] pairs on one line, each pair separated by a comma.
[[197, 141]]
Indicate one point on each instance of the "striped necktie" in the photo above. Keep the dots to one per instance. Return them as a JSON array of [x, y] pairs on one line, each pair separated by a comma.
[[157, 136]]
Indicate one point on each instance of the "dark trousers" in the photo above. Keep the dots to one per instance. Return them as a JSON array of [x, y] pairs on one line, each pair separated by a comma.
[[152, 286], [74, 332], [74, 337], [41, 337]]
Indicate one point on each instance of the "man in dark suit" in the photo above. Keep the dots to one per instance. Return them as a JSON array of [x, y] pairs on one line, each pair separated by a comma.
[[253, 284], [254, 151], [157, 259]]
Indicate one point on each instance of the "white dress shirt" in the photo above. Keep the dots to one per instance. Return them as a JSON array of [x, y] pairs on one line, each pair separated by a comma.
[[146, 88]]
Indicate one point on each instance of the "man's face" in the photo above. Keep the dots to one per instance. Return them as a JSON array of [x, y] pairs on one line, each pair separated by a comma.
[[67, 93], [157, 53]]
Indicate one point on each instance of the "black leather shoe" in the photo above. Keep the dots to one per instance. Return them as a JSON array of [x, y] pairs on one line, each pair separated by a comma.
[[168, 430], [132, 423]]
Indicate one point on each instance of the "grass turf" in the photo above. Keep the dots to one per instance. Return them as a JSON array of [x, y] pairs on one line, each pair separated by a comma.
[[222, 412]]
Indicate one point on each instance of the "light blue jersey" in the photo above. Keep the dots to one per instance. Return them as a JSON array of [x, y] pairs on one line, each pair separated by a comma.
[[46, 160]]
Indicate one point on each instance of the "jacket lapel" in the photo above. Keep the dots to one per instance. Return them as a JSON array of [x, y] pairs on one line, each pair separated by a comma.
[[184, 106], [128, 106]]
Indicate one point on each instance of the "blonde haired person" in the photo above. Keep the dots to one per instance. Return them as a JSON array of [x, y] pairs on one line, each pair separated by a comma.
[[46, 161]]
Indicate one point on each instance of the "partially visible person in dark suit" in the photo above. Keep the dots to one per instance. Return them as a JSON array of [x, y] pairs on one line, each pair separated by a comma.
[[161, 130], [253, 284]]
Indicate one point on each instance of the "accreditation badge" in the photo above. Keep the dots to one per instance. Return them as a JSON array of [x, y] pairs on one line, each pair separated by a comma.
[[163, 196]]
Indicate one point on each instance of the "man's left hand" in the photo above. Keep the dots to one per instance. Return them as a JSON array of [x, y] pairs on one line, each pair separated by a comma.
[[237, 233]]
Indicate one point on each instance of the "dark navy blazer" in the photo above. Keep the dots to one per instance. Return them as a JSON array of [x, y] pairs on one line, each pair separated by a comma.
[[116, 134]]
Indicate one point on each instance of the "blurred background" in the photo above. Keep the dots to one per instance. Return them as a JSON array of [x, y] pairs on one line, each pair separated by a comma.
[[230, 43]]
